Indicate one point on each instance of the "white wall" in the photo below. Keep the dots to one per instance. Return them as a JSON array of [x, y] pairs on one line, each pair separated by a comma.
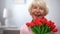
[[54, 12], [20, 13]]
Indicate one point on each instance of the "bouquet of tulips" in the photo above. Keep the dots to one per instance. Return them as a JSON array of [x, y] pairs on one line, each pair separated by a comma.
[[42, 26]]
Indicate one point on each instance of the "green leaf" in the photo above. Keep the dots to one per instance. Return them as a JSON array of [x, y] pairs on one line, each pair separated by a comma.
[[35, 29], [47, 29], [42, 29], [48, 33]]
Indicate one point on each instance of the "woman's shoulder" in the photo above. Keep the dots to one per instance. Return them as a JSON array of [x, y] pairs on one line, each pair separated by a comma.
[[24, 27]]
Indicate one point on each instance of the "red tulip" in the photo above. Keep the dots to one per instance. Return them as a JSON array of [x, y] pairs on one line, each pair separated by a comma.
[[55, 30], [38, 24], [28, 24], [37, 21], [48, 23], [32, 24], [44, 21], [52, 27]]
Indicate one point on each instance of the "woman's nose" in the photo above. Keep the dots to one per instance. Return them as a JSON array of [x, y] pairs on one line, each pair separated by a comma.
[[38, 10]]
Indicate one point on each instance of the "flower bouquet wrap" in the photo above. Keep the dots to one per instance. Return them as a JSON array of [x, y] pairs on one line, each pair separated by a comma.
[[42, 26]]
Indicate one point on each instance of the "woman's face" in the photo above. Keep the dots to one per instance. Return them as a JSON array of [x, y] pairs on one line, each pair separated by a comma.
[[37, 11]]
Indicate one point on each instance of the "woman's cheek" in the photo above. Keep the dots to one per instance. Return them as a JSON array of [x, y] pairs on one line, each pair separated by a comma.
[[33, 11], [42, 13]]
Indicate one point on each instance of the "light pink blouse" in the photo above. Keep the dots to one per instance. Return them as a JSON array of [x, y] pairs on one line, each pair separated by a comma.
[[25, 30]]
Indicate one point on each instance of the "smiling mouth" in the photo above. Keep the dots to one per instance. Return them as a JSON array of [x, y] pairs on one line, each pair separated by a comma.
[[37, 15]]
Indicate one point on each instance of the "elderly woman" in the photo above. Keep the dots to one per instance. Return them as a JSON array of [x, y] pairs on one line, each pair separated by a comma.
[[38, 8]]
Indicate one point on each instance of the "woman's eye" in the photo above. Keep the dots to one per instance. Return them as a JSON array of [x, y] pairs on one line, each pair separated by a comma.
[[41, 8], [35, 7]]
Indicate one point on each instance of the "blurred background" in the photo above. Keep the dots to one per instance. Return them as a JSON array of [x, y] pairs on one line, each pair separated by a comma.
[[14, 13]]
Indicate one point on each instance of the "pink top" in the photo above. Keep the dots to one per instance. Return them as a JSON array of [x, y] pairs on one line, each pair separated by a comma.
[[25, 30]]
